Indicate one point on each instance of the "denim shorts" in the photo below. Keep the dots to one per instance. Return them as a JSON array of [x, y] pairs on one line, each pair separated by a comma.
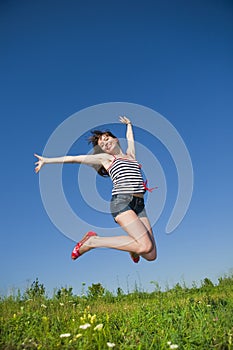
[[123, 202]]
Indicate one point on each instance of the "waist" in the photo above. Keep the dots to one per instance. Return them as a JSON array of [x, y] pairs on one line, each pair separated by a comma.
[[128, 187], [140, 195]]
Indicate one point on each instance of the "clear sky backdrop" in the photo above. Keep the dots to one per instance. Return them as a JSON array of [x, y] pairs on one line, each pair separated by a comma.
[[59, 57]]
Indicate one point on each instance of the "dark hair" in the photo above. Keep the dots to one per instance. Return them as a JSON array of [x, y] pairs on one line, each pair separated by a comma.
[[96, 134]]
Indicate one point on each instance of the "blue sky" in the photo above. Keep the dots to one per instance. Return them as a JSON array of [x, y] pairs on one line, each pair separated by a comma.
[[59, 57]]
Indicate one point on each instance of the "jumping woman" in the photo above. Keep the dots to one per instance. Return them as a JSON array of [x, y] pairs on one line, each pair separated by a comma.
[[127, 202]]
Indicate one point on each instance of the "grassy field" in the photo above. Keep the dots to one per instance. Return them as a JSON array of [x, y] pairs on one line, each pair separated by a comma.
[[179, 318]]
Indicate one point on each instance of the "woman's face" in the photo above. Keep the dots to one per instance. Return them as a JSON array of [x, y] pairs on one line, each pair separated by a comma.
[[107, 143]]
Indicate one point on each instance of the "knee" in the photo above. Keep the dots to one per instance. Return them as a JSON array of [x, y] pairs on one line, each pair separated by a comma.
[[148, 251], [152, 256], [145, 248]]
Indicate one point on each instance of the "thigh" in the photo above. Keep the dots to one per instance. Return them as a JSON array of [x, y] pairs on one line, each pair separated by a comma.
[[147, 224], [132, 225], [137, 230]]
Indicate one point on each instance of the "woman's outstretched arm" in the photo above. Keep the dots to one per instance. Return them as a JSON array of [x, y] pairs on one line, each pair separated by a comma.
[[129, 136], [85, 159]]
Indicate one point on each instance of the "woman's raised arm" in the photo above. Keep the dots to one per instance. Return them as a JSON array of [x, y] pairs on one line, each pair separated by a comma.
[[129, 136]]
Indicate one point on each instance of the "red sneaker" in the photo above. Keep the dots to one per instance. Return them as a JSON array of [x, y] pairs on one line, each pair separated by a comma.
[[135, 257], [75, 253]]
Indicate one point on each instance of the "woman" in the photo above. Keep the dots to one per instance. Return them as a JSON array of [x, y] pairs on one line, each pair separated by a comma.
[[127, 203]]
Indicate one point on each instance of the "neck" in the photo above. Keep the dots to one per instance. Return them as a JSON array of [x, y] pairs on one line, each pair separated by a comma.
[[118, 152]]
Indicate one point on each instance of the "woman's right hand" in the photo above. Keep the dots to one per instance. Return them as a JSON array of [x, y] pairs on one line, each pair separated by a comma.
[[39, 163]]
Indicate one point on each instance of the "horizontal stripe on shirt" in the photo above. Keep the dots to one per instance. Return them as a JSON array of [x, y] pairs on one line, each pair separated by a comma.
[[126, 176]]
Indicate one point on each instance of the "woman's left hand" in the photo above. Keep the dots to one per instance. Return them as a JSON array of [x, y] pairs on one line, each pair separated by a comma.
[[124, 120]]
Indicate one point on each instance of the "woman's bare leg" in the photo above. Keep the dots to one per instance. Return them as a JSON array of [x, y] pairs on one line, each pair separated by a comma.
[[139, 239], [147, 224]]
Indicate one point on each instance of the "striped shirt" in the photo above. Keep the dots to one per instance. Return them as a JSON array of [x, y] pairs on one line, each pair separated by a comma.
[[126, 176]]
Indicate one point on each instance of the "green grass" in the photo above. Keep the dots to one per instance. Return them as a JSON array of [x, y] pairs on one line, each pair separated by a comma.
[[183, 318]]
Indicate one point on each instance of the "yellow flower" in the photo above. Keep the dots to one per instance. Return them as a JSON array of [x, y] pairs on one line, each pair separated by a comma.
[[78, 336], [93, 318]]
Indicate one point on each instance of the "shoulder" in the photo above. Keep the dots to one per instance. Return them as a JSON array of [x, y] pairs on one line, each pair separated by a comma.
[[94, 159], [106, 156], [102, 157], [106, 159], [130, 156]]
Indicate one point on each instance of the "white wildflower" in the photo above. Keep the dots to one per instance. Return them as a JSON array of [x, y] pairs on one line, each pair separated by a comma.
[[65, 335], [174, 346], [85, 326], [98, 327], [110, 345]]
